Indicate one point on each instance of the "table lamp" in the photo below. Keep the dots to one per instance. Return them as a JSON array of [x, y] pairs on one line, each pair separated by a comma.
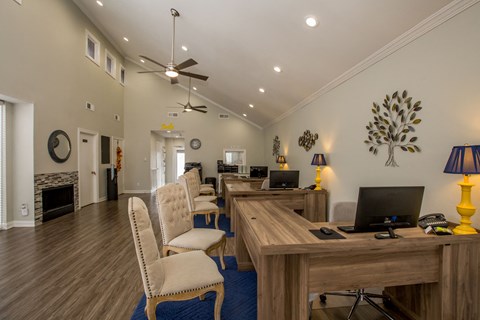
[[281, 160], [318, 160], [464, 160]]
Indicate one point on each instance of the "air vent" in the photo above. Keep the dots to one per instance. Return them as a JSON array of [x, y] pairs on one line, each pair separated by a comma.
[[89, 106], [223, 116], [116, 117], [173, 114]]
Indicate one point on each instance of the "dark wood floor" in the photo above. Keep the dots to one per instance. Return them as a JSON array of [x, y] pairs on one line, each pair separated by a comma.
[[83, 266]]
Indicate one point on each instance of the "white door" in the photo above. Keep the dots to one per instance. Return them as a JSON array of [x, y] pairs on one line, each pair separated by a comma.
[[179, 163], [159, 164], [87, 169]]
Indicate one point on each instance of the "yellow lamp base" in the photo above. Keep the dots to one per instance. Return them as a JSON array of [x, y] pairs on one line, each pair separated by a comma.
[[465, 209], [318, 179]]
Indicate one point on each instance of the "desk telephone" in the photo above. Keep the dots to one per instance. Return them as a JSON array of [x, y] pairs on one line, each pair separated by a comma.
[[433, 220]]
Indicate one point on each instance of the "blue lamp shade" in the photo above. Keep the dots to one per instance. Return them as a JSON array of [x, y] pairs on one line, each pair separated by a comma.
[[464, 160], [281, 159], [319, 160]]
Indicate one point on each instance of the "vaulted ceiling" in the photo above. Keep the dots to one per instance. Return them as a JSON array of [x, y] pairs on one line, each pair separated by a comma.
[[238, 43]]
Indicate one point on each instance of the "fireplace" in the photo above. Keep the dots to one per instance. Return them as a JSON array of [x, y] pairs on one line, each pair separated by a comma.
[[57, 201]]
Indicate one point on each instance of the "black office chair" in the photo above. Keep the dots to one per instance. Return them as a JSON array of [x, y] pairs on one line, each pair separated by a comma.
[[345, 211]]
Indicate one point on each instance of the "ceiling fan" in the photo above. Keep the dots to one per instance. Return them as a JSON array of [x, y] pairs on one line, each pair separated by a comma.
[[188, 107], [172, 70]]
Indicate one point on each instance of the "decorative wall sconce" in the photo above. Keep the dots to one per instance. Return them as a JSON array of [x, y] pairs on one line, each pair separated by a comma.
[[307, 140], [276, 146]]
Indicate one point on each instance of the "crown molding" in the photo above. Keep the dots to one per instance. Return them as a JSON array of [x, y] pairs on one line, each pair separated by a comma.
[[422, 28]]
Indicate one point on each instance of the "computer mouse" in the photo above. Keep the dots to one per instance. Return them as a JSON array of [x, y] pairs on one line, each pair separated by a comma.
[[326, 231]]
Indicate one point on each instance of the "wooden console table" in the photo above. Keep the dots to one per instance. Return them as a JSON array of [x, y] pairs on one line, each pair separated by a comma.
[[428, 277], [310, 204]]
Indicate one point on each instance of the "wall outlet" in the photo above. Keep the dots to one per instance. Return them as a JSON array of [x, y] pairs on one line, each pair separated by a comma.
[[24, 209]]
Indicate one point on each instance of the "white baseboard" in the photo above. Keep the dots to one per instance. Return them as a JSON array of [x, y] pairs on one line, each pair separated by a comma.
[[18, 224], [137, 191]]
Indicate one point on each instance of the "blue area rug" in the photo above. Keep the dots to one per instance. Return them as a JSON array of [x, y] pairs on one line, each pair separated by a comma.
[[240, 301], [223, 223]]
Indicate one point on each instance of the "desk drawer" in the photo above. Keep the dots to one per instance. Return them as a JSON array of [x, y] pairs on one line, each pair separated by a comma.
[[374, 268]]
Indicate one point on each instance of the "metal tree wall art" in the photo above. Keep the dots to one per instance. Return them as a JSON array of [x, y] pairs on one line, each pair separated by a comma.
[[393, 124], [307, 140]]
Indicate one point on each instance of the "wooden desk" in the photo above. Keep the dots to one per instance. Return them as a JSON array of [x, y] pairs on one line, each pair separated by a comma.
[[310, 204], [255, 183], [428, 277]]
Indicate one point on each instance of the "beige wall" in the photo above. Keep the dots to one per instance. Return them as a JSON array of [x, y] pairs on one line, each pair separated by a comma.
[[442, 69], [43, 62], [147, 98]]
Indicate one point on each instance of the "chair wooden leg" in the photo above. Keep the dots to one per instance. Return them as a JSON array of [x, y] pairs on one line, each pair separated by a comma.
[[207, 219], [219, 301], [151, 308], [217, 215], [221, 252], [165, 251]]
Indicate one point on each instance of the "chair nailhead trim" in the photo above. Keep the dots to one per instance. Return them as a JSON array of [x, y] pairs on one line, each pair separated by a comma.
[[184, 291], [134, 218]]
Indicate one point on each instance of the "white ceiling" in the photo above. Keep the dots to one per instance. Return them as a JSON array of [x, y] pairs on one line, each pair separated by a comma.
[[237, 43]]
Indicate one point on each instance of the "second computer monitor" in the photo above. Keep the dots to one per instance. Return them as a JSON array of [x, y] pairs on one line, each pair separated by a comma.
[[380, 208], [258, 171], [284, 179]]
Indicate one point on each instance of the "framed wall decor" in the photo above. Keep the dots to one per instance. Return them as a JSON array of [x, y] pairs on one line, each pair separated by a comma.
[[307, 140]]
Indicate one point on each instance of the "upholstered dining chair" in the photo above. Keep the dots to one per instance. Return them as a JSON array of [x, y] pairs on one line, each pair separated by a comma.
[[178, 233], [204, 188], [174, 278], [195, 189], [198, 207]]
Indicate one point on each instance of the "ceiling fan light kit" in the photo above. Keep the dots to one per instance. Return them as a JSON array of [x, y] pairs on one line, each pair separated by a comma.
[[172, 70]]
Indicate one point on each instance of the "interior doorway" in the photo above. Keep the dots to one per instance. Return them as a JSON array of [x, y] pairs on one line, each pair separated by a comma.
[[87, 167], [179, 162]]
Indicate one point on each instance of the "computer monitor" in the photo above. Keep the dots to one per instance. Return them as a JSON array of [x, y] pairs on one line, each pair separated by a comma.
[[284, 179], [258, 171], [387, 208]]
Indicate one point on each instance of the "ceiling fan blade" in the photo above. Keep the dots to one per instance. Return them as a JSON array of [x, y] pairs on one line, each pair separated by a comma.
[[174, 80], [150, 71], [200, 107], [151, 60], [193, 75], [186, 64], [183, 105], [202, 111]]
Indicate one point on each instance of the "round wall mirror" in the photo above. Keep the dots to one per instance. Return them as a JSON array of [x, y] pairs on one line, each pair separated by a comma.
[[59, 146]]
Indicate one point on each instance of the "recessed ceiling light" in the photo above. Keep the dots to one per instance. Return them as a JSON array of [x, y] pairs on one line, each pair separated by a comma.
[[277, 69], [245, 115], [250, 105], [125, 38], [194, 88], [261, 90], [184, 48], [311, 21], [168, 131], [100, 3], [142, 61]]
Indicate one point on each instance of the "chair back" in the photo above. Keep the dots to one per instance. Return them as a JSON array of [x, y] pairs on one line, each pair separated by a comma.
[[183, 181], [146, 247], [173, 212], [265, 184], [196, 173], [344, 211], [193, 186]]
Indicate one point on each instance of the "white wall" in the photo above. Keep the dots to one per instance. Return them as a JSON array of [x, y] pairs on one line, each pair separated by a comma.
[[442, 69], [43, 61], [147, 98]]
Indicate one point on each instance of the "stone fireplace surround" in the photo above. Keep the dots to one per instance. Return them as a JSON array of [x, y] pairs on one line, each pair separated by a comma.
[[49, 180]]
